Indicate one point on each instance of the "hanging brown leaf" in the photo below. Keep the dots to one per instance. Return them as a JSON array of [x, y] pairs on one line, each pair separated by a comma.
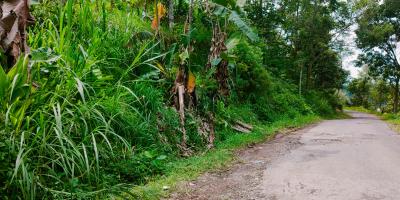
[[191, 82], [158, 15], [15, 17]]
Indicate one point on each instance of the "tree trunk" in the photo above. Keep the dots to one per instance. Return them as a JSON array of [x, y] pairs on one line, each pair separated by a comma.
[[179, 98], [181, 93], [171, 14], [309, 74], [396, 96], [301, 80], [180, 89], [190, 15]]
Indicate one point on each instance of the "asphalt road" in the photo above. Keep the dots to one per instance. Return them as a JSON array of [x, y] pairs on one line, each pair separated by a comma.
[[350, 159]]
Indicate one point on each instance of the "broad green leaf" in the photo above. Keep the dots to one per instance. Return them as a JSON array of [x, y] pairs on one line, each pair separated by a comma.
[[232, 43], [216, 61], [184, 56], [148, 154], [235, 18], [162, 157], [3, 82]]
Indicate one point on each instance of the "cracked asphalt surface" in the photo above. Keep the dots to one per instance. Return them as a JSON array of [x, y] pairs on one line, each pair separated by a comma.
[[349, 159]]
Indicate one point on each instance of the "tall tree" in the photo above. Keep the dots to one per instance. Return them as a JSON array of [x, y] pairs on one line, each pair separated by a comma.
[[299, 38], [378, 36], [360, 91]]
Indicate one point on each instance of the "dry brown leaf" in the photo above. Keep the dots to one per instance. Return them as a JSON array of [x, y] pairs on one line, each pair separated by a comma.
[[158, 15], [242, 127], [15, 17], [191, 83]]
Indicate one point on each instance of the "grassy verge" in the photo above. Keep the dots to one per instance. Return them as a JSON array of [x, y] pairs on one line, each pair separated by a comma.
[[395, 125], [220, 157], [393, 120], [360, 109]]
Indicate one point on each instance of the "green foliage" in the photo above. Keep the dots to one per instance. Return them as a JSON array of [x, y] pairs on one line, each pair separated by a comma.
[[220, 10], [95, 115], [320, 104], [380, 95], [358, 109], [299, 43], [281, 102], [250, 77], [137, 169], [378, 37], [15, 91], [374, 94], [359, 89], [230, 114], [86, 112]]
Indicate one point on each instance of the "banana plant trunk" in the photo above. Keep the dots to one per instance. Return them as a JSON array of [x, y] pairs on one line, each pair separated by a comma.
[[180, 89], [217, 48]]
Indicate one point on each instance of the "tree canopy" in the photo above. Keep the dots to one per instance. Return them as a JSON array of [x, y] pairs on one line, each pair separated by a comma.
[[378, 37]]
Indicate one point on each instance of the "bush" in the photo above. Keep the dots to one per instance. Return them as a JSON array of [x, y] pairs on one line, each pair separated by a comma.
[[320, 103], [136, 169]]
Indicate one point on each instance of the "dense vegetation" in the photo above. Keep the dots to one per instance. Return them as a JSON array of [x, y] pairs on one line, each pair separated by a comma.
[[111, 92]]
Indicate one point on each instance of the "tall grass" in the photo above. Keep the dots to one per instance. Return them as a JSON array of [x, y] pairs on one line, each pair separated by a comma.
[[90, 110]]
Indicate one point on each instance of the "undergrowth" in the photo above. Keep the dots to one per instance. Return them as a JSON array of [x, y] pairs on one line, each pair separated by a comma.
[[95, 117]]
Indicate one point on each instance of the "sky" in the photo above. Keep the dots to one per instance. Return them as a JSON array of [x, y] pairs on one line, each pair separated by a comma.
[[349, 58]]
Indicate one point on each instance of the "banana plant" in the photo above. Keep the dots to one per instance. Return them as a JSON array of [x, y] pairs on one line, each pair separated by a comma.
[[220, 12], [228, 10]]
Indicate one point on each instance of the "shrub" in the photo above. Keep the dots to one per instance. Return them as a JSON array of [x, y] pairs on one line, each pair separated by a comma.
[[320, 103]]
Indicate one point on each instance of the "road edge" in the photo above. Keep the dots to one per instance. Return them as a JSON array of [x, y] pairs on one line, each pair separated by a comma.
[[223, 156]]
